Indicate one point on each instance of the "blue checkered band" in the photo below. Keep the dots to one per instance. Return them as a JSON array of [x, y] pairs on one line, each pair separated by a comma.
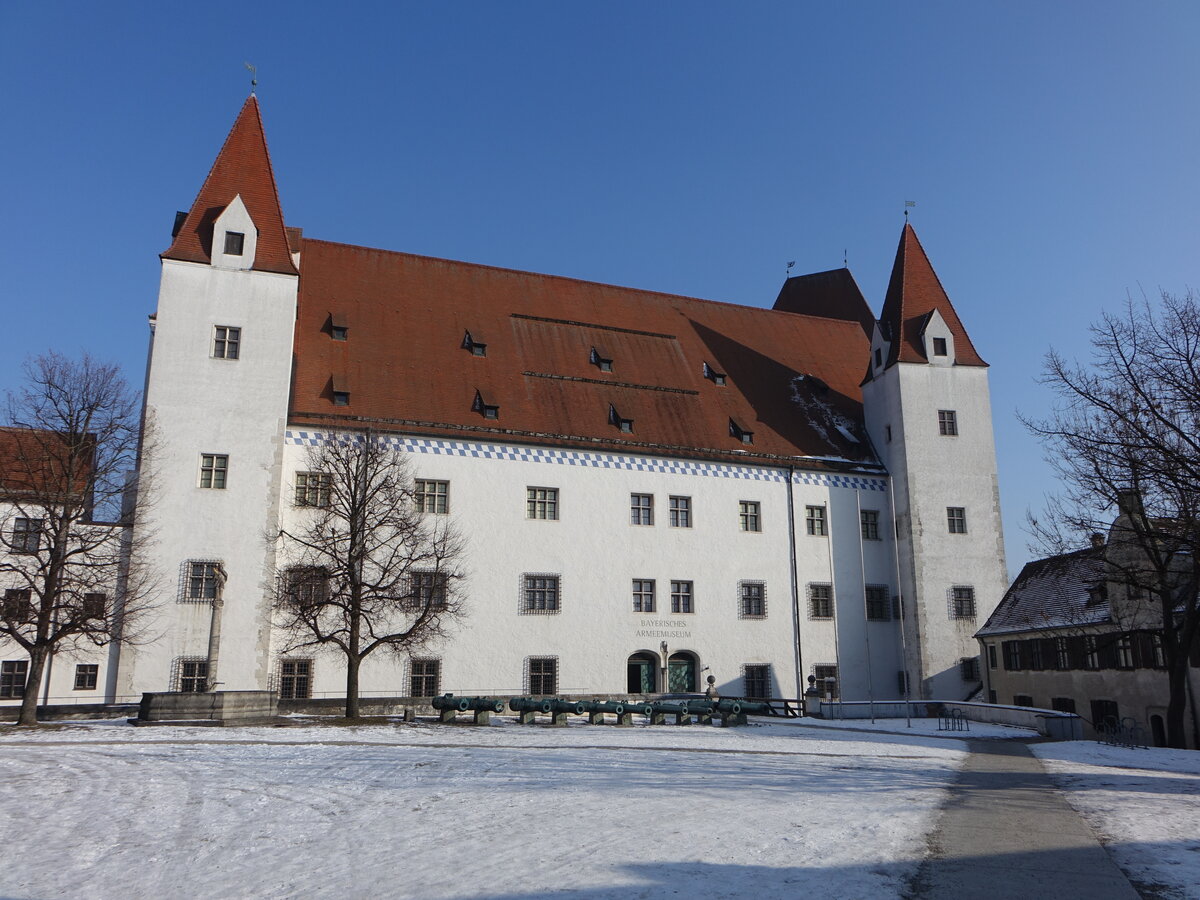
[[519, 453]]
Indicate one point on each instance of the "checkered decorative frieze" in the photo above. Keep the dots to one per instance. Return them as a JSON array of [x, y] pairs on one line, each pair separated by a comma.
[[518, 453]]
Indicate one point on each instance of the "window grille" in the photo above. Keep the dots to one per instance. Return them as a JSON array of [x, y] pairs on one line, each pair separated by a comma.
[[424, 677], [190, 674], [756, 681], [827, 680], [541, 676], [752, 600], [202, 579], [295, 679], [541, 594], [962, 602], [877, 602], [820, 601]]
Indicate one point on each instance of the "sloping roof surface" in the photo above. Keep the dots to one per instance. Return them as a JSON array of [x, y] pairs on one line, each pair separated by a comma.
[[37, 462], [1052, 593], [914, 292], [832, 295], [242, 167], [792, 380]]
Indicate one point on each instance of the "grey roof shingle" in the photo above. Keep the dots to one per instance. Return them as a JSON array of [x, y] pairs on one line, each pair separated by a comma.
[[1052, 593]]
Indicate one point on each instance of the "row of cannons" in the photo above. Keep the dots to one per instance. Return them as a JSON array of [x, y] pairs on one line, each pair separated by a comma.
[[726, 712]]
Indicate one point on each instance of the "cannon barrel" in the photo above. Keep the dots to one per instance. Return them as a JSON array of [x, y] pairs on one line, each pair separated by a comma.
[[463, 704], [668, 707], [604, 706], [529, 704], [699, 707], [756, 708], [641, 709], [575, 707], [729, 706]]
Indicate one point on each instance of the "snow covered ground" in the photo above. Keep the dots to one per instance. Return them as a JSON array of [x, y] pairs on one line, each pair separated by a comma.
[[1144, 804], [106, 810]]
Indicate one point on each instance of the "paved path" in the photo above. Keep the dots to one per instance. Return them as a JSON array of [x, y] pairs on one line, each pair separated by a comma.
[[1008, 832]]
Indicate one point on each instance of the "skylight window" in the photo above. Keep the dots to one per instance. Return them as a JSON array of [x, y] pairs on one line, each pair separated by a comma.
[[485, 409], [615, 419], [473, 341], [717, 378], [600, 359], [737, 431]]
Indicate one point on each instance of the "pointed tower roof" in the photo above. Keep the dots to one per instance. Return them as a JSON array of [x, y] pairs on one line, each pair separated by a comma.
[[242, 167], [913, 293]]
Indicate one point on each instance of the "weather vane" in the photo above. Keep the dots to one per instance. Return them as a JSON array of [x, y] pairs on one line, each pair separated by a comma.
[[253, 76], [789, 269], [908, 204]]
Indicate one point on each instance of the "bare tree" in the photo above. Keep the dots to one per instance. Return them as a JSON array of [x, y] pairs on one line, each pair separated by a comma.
[[1125, 436], [72, 570], [365, 567]]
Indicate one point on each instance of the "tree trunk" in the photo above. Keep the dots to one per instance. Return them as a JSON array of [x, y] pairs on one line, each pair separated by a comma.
[[29, 702], [1177, 701], [352, 664]]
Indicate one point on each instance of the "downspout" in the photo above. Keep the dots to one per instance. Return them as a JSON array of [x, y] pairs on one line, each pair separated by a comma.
[[791, 507], [862, 567], [900, 596], [837, 631]]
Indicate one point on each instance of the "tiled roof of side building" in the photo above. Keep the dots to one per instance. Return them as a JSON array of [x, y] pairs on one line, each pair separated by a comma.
[[914, 292], [1055, 592], [36, 462], [790, 380], [242, 167]]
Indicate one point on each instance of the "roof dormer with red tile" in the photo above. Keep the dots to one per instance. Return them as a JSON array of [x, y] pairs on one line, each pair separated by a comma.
[[235, 221]]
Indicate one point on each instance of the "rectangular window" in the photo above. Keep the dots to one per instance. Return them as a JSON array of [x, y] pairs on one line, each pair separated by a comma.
[[869, 519], [1022, 700], [26, 535], [752, 600], [681, 597], [295, 679], [204, 580], [827, 680], [427, 591], [1125, 652], [947, 422], [227, 341], [1012, 655], [425, 677], [641, 509], [541, 594], [13, 675], [643, 595], [312, 488], [820, 601], [968, 668], [193, 676], [814, 520], [956, 519], [213, 469], [18, 605], [756, 681], [1062, 656], [235, 242], [1033, 650], [543, 676], [432, 496], [541, 503], [877, 603], [1091, 655], [962, 602], [991, 656], [306, 586], [1063, 704], [93, 606], [939, 346], [749, 515], [681, 512], [85, 676]]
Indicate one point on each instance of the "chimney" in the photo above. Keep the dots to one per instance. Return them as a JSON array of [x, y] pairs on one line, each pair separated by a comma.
[[1129, 502], [1097, 540]]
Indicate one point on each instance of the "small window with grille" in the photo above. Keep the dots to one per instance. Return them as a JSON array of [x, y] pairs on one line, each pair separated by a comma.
[[962, 602], [541, 594], [541, 675], [820, 601], [756, 681], [425, 677], [752, 600], [877, 603], [295, 679], [193, 675], [827, 680]]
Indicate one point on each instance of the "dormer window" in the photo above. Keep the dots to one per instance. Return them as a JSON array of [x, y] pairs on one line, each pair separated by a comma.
[[615, 419], [601, 360], [338, 326], [737, 431], [717, 378], [235, 241], [878, 357], [341, 391], [939, 346], [485, 409], [473, 341], [1097, 594]]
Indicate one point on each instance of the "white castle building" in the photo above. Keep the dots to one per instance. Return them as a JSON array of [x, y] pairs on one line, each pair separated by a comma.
[[652, 488]]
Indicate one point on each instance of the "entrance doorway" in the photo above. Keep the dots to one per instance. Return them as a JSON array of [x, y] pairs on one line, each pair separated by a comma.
[[1158, 731], [641, 678], [681, 673]]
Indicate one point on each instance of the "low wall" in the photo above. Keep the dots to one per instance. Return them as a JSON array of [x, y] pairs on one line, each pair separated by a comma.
[[215, 706], [1058, 726]]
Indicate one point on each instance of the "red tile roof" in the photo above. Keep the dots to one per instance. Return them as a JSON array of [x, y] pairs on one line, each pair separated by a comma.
[[914, 292], [792, 379], [39, 464], [831, 295], [242, 167]]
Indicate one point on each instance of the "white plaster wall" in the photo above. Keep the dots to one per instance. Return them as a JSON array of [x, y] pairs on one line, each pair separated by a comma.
[[199, 404]]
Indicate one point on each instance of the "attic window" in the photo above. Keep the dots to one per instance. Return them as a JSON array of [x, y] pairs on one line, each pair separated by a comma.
[[1097, 594], [338, 326], [878, 357], [234, 242], [615, 419], [939, 346], [717, 378], [341, 391], [475, 343], [600, 359], [485, 409], [737, 431]]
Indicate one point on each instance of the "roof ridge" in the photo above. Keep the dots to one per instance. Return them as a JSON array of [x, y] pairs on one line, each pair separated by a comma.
[[572, 280]]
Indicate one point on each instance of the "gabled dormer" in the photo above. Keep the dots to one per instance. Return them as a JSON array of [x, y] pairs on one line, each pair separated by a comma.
[[938, 340], [235, 238], [880, 347]]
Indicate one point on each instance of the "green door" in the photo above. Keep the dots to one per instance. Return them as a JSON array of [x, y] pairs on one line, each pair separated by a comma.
[[681, 675], [641, 676]]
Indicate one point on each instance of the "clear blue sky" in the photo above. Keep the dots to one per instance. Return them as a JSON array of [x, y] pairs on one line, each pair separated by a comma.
[[688, 148]]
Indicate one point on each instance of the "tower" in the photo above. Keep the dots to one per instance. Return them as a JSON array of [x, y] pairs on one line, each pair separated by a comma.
[[216, 404], [928, 412]]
